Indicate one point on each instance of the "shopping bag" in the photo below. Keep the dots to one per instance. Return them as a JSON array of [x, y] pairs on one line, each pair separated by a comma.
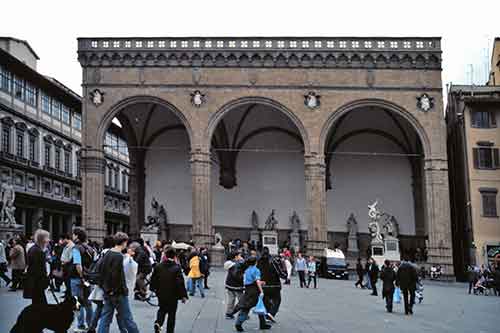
[[397, 296], [260, 309]]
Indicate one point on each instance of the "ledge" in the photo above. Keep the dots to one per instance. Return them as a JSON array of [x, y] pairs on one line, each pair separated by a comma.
[[334, 52]]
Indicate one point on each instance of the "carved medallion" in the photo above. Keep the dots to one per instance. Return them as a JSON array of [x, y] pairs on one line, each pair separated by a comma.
[[311, 100], [197, 98], [425, 102], [97, 97]]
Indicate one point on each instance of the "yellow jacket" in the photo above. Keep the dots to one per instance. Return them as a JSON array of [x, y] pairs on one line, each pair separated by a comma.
[[194, 268]]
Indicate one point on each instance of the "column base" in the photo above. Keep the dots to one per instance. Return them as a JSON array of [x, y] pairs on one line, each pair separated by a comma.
[[443, 257], [95, 234], [316, 247], [203, 240]]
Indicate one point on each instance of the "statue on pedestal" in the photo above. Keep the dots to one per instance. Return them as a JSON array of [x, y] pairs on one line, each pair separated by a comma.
[[7, 209], [295, 222], [352, 237], [254, 220], [271, 222], [157, 217]]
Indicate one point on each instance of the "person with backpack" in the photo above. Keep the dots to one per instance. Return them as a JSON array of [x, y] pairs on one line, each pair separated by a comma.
[[113, 283], [82, 259], [142, 257], [234, 281], [271, 273], [97, 295]]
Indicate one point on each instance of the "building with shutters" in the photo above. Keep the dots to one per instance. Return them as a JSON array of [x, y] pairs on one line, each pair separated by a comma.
[[40, 142], [472, 115]]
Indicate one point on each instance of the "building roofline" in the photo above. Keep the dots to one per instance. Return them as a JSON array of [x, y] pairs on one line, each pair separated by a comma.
[[50, 85], [24, 42]]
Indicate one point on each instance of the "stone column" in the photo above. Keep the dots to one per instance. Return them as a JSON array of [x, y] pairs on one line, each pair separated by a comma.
[[202, 232], [137, 190], [93, 164], [438, 215], [418, 200], [317, 236]]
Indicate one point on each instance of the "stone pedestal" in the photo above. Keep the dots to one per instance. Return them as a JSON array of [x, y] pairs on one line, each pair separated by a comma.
[[217, 256], [270, 240], [254, 236], [352, 244], [378, 251], [151, 235], [392, 248], [295, 241], [7, 233]]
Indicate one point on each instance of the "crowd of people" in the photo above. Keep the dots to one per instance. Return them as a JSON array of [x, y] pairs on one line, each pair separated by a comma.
[[484, 280], [105, 276]]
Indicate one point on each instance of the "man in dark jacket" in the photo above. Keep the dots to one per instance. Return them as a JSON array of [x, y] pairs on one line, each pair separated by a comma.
[[373, 275], [145, 268], [168, 284], [36, 275], [360, 271], [205, 266], [388, 277], [271, 273], [115, 288], [235, 267], [407, 281]]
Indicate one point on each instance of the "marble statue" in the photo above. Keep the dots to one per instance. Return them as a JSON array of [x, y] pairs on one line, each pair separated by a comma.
[[254, 221], [352, 226], [295, 222], [373, 227], [271, 222], [7, 196], [157, 216], [218, 240]]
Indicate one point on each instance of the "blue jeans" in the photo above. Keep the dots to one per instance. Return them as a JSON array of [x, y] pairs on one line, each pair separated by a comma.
[[121, 305], [197, 283], [85, 313]]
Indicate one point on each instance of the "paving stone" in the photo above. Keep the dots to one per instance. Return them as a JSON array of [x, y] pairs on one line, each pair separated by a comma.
[[335, 307]]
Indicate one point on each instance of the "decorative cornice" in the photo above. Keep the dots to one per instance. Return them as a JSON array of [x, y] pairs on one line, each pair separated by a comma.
[[287, 52]]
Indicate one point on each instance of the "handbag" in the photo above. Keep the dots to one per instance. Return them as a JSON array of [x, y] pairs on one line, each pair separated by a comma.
[[260, 309], [397, 296]]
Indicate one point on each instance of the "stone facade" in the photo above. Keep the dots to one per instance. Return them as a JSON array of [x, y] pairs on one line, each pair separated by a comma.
[[345, 74]]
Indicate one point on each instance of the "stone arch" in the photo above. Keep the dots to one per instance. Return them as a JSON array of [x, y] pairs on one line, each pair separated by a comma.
[[122, 104], [374, 102], [217, 116]]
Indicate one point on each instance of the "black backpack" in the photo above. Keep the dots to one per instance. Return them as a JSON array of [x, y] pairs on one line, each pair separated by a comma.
[[93, 274], [278, 267]]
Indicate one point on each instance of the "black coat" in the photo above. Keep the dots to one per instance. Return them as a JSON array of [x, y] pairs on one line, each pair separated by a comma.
[[359, 269], [388, 277], [167, 282], [373, 272], [234, 277], [407, 276], [36, 274], [269, 272]]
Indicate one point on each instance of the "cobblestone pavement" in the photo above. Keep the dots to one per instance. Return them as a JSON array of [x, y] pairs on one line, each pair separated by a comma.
[[336, 306]]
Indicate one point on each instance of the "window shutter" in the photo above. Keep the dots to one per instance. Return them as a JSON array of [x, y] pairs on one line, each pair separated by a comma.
[[496, 161], [475, 153]]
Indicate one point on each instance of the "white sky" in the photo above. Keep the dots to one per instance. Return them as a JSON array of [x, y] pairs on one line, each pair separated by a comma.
[[51, 27]]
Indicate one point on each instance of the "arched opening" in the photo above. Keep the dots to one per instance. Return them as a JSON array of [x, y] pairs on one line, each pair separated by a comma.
[[257, 151], [152, 146], [374, 152]]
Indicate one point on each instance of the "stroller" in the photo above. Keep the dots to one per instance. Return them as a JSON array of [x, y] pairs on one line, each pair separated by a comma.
[[484, 286], [419, 292]]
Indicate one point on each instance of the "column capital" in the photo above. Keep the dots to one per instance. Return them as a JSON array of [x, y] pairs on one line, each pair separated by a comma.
[[93, 164], [436, 164]]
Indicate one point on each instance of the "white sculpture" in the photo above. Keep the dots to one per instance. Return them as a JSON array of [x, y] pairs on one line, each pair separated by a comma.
[[97, 97], [7, 196], [197, 98], [218, 241], [311, 100], [374, 228], [352, 226]]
